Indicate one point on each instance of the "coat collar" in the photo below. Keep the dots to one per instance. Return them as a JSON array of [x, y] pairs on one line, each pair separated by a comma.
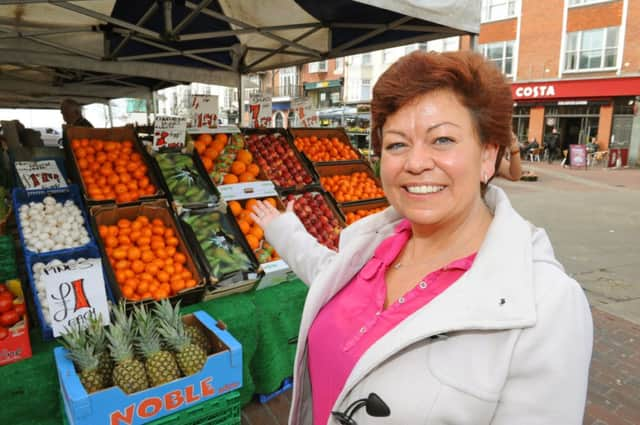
[[496, 293]]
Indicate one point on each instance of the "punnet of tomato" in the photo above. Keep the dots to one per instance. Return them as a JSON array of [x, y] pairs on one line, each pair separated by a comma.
[[14, 330]]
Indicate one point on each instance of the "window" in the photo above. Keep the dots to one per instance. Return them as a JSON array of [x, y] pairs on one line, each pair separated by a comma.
[[365, 89], [443, 45], [501, 54], [493, 10], [288, 82], [318, 66], [593, 49], [339, 65], [366, 59], [279, 122], [584, 2]]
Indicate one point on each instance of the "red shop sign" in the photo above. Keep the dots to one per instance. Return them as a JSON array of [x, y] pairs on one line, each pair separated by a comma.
[[572, 89]]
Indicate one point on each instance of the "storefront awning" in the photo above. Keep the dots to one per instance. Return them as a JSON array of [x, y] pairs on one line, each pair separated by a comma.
[[322, 84], [576, 89]]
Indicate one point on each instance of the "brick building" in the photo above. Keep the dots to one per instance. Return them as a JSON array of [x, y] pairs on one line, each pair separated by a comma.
[[575, 66]]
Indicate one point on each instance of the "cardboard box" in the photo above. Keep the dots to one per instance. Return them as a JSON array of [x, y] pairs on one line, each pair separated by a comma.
[[111, 406], [16, 345]]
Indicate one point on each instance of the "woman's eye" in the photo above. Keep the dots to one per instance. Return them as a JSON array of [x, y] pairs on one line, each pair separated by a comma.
[[443, 141], [394, 146]]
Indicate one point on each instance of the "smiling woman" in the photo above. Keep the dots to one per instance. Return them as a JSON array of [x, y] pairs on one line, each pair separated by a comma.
[[448, 305]]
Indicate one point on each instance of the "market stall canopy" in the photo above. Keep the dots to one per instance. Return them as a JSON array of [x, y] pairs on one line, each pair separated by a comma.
[[94, 50]]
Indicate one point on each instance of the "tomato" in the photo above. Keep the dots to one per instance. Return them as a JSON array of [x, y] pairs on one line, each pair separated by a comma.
[[3, 333], [9, 318], [5, 305], [3, 288], [20, 309], [6, 296]]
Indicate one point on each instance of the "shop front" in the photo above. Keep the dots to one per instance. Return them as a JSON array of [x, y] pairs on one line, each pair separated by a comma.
[[581, 111]]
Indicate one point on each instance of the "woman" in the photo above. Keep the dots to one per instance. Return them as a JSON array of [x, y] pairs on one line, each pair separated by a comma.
[[448, 305], [511, 168]]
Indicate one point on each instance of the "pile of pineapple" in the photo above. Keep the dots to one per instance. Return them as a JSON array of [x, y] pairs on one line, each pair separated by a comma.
[[148, 348]]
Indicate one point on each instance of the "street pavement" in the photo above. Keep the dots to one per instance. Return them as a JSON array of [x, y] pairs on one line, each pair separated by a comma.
[[593, 219]]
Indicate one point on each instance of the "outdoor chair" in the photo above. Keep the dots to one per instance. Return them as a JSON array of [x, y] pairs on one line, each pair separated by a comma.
[[534, 154], [598, 158]]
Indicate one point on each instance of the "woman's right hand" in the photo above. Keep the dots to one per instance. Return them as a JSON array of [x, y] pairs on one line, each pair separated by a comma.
[[263, 213]]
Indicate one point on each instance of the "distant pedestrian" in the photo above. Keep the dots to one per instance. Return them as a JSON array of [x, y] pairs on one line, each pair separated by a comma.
[[72, 114]]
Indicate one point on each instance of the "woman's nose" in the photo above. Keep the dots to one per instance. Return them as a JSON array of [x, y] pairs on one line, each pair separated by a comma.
[[419, 159]]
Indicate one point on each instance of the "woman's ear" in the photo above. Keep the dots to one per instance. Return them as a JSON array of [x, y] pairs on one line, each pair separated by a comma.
[[489, 157]]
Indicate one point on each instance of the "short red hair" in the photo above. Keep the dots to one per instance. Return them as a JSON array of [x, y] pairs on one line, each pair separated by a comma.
[[479, 84]]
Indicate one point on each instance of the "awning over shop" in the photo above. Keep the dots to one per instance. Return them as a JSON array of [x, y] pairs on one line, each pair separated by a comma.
[[322, 84], [100, 49]]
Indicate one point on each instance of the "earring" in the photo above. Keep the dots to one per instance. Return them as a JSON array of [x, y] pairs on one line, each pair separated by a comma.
[[485, 178]]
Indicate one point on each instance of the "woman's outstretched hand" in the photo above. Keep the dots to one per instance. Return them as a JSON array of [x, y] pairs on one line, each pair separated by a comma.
[[263, 213]]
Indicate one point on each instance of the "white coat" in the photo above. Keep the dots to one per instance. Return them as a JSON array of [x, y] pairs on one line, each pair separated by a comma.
[[508, 344]]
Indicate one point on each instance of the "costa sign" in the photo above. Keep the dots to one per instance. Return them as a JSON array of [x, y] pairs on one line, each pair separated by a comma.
[[535, 91]]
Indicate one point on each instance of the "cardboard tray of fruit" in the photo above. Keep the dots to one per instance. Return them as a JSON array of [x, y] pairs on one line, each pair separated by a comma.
[[323, 140], [147, 258], [220, 374], [220, 250], [319, 214], [35, 266], [14, 327], [278, 159], [111, 165], [357, 210], [185, 180], [366, 187]]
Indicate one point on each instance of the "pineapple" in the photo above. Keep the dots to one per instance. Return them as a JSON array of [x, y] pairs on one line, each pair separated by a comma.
[[190, 357], [83, 354], [161, 366], [97, 336], [129, 373], [165, 312]]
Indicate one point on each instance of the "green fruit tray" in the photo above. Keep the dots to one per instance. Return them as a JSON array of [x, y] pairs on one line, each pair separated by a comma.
[[222, 410]]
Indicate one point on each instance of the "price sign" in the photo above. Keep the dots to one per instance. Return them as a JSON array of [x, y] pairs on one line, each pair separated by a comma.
[[169, 132], [75, 293], [40, 174], [261, 111], [305, 113], [204, 111]]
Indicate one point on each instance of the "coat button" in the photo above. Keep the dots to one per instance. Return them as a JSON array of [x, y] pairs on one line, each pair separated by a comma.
[[401, 300], [363, 330]]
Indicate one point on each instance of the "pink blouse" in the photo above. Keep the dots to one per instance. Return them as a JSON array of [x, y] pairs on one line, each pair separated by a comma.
[[355, 318]]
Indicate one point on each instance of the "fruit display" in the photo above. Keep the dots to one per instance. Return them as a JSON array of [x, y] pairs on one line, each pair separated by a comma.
[[146, 349], [253, 233], [51, 225], [356, 215], [12, 309], [215, 235], [226, 159], [277, 159], [112, 170], [324, 149], [351, 187], [317, 217], [146, 259], [186, 185]]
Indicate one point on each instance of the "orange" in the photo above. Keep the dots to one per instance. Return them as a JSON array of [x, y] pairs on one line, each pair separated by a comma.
[[244, 226], [257, 232], [245, 215], [123, 222], [222, 138], [272, 201], [172, 241], [250, 204], [205, 138], [238, 168], [247, 177], [244, 156], [134, 253], [208, 163], [179, 258], [230, 179], [253, 242], [120, 253], [103, 231], [253, 169], [190, 283], [235, 208], [137, 266], [200, 146]]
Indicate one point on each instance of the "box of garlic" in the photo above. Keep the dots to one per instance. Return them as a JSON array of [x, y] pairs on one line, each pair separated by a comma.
[[51, 220], [39, 264]]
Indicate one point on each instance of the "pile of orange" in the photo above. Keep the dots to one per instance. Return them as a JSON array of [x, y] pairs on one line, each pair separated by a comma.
[[351, 217], [210, 147], [242, 169], [145, 258], [352, 187], [253, 233], [112, 170], [325, 149]]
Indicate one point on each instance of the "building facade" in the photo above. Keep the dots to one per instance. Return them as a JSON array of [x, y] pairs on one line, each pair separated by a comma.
[[574, 66]]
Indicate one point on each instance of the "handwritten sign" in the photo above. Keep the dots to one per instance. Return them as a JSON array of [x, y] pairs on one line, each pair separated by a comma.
[[305, 113], [261, 111], [75, 293], [204, 111], [169, 132], [40, 174]]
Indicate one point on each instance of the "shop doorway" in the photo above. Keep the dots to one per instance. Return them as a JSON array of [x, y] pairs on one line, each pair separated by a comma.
[[575, 124]]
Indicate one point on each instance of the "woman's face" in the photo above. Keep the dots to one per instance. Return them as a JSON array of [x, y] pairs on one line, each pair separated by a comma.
[[432, 161]]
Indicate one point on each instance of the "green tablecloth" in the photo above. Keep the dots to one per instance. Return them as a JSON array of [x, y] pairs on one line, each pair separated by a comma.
[[265, 322]]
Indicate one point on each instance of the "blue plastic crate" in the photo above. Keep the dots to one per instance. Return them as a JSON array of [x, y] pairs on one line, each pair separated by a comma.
[[86, 252], [287, 384], [21, 197], [59, 162]]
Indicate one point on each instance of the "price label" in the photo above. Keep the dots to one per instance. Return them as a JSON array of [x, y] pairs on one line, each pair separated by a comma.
[[169, 132], [261, 110], [75, 293], [40, 174], [204, 111], [305, 113]]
